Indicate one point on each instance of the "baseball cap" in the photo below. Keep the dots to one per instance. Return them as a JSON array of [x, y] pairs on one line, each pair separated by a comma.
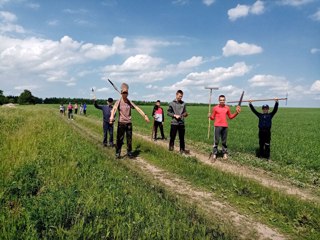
[[265, 106], [110, 100]]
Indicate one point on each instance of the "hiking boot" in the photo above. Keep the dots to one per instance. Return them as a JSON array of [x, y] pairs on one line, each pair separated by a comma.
[[225, 156]]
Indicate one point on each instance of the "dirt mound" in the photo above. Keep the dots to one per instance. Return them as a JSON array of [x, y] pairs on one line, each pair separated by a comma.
[[9, 105]]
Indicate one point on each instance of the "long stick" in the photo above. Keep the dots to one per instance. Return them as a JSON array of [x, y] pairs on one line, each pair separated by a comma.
[[134, 105], [259, 100], [209, 121]]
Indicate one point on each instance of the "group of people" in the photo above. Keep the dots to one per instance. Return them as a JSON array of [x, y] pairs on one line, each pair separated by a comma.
[[178, 112], [70, 108]]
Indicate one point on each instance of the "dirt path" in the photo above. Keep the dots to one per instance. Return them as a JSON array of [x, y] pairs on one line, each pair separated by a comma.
[[248, 227], [256, 174], [253, 173]]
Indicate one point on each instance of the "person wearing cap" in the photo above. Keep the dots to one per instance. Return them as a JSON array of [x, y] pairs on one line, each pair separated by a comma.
[[158, 116], [107, 127], [178, 112], [124, 106], [265, 122], [219, 115]]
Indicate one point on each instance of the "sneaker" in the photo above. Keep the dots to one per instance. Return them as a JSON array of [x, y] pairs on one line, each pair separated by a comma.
[[130, 154], [117, 155], [170, 148], [104, 144], [225, 156], [213, 157], [184, 152]]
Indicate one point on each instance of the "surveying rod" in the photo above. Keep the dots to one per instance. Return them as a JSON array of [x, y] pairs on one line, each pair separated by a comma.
[[211, 88]]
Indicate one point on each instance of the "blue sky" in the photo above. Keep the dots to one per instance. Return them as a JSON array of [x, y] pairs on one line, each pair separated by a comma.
[[64, 48]]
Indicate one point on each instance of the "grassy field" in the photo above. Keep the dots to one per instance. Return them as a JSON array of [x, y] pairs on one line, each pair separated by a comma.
[[295, 145], [56, 183]]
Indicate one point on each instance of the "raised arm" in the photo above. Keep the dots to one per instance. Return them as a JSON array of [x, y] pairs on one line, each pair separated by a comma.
[[140, 112], [275, 108], [254, 110], [96, 105]]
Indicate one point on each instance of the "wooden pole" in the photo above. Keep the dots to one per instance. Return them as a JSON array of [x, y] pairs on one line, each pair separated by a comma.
[[259, 100], [210, 95]]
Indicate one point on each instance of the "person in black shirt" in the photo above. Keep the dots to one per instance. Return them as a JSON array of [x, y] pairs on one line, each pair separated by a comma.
[[265, 122]]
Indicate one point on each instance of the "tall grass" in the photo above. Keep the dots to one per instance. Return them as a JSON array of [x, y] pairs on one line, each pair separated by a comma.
[[57, 184]]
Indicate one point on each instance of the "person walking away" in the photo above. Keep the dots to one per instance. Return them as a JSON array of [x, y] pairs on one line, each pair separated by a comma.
[[70, 115], [76, 108], [158, 116], [62, 110], [219, 116], [265, 123], [178, 112], [124, 106], [84, 109], [107, 127]]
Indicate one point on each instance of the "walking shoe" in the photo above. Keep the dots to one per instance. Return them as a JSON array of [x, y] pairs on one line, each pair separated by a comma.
[[130, 154], [225, 156], [184, 152], [212, 157], [117, 155], [170, 148]]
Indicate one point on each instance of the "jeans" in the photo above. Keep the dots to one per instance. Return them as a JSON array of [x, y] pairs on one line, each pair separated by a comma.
[[124, 129], [107, 128], [220, 132]]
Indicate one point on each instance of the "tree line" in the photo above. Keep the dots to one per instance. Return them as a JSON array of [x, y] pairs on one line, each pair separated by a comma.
[[26, 97]]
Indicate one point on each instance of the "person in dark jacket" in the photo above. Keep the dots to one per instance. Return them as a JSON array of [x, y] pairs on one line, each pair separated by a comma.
[[178, 112], [107, 127], [158, 116], [265, 123]]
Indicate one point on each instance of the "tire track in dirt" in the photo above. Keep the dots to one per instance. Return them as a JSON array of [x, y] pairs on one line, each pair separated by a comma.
[[258, 175], [204, 200], [255, 174]]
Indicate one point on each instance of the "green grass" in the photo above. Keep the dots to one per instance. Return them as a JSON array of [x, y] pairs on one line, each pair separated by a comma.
[[56, 184], [296, 217]]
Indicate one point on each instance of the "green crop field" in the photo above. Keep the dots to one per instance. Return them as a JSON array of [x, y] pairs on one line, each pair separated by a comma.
[[295, 145], [57, 182]]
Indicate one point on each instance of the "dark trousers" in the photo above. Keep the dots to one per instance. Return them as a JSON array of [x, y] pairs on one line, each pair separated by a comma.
[[156, 125], [70, 115], [264, 142], [173, 132], [220, 132], [107, 128], [124, 129]]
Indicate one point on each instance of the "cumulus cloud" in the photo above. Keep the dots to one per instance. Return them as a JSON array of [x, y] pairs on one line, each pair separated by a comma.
[[316, 16], [244, 10], [234, 48], [7, 23], [315, 87], [148, 46], [215, 75], [295, 3], [26, 87], [274, 83], [208, 2]]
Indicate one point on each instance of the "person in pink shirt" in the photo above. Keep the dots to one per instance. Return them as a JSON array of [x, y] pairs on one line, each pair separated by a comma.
[[158, 115], [219, 115]]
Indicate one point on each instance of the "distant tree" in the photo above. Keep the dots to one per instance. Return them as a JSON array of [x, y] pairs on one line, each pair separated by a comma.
[[26, 97], [3, 98]]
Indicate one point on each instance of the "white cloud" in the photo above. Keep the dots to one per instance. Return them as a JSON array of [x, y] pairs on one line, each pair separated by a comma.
[[104, 89], [275, 83], [53, 22], [316, 16], [7, 16], [244, 10], [295, 3], [315, 87], [208, 2], [216, 75], [192, 62], [148, 46], [234, 48], [314, 50], [34, 6]]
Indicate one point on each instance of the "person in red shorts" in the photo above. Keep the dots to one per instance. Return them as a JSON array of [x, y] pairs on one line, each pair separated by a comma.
[[219, 115]]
